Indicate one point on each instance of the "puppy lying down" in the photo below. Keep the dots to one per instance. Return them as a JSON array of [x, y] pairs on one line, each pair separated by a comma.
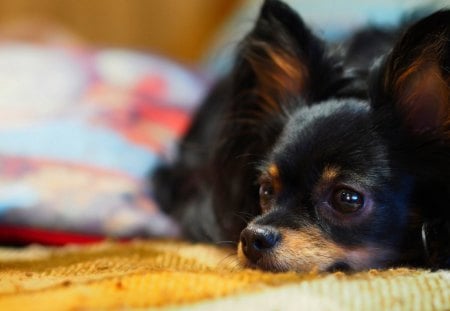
[[316, 156]]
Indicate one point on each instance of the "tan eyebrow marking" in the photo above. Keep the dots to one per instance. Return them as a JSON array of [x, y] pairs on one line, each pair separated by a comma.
[[329, 173], [328, 177], [275, 177], [273, 170]]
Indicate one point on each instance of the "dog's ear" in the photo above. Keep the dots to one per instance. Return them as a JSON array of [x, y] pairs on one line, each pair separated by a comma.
[[416, 76], [275, 58], [278, 60]]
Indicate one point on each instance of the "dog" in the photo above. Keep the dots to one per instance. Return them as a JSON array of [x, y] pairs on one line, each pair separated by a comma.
[[322, 157]]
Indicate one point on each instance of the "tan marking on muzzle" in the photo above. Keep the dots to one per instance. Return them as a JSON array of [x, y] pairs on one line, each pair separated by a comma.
[[306, 249], [309, 249]]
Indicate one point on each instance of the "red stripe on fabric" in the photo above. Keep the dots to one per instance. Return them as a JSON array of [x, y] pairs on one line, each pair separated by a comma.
[[26, 235]]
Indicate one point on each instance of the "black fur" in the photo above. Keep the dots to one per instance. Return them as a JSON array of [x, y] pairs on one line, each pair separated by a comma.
[[361, 107]]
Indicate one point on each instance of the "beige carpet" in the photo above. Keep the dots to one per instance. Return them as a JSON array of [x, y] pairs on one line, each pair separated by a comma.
[[168, 274]]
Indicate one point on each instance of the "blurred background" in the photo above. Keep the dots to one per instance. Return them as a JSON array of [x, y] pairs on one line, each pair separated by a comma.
[[192, 32], [176, 28]]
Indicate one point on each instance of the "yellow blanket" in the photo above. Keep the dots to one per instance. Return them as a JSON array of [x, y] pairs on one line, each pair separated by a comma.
[[172, 274]]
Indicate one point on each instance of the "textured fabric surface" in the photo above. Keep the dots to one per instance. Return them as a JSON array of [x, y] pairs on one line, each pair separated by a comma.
[[179, 275]]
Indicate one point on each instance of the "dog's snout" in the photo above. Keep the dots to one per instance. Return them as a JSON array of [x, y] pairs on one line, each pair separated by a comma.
[[257, 240]]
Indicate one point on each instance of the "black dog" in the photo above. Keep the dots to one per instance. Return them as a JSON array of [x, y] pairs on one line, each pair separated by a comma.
[[339, 156]]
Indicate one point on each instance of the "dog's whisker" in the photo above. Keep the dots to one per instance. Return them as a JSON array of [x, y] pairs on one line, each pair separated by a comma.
[[242, 217], [231, 258], [234, 243], [236, 267], [246, 214]]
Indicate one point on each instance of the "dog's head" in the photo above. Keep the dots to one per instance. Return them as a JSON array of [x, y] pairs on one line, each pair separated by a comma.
[[349, 178]]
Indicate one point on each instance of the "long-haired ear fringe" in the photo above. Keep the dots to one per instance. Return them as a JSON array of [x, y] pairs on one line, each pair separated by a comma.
[[278, 73], [417, 75]]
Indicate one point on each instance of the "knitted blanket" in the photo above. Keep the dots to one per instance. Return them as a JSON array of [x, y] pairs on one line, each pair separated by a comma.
[[172, 275]]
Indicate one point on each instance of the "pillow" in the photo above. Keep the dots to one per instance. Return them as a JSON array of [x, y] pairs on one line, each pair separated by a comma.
[[80, 131]]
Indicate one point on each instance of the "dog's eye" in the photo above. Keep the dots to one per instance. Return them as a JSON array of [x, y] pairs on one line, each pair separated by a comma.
[[347, 201], [266, 193]]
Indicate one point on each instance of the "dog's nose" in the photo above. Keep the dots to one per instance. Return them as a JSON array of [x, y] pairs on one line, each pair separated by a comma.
[[256, 240]]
